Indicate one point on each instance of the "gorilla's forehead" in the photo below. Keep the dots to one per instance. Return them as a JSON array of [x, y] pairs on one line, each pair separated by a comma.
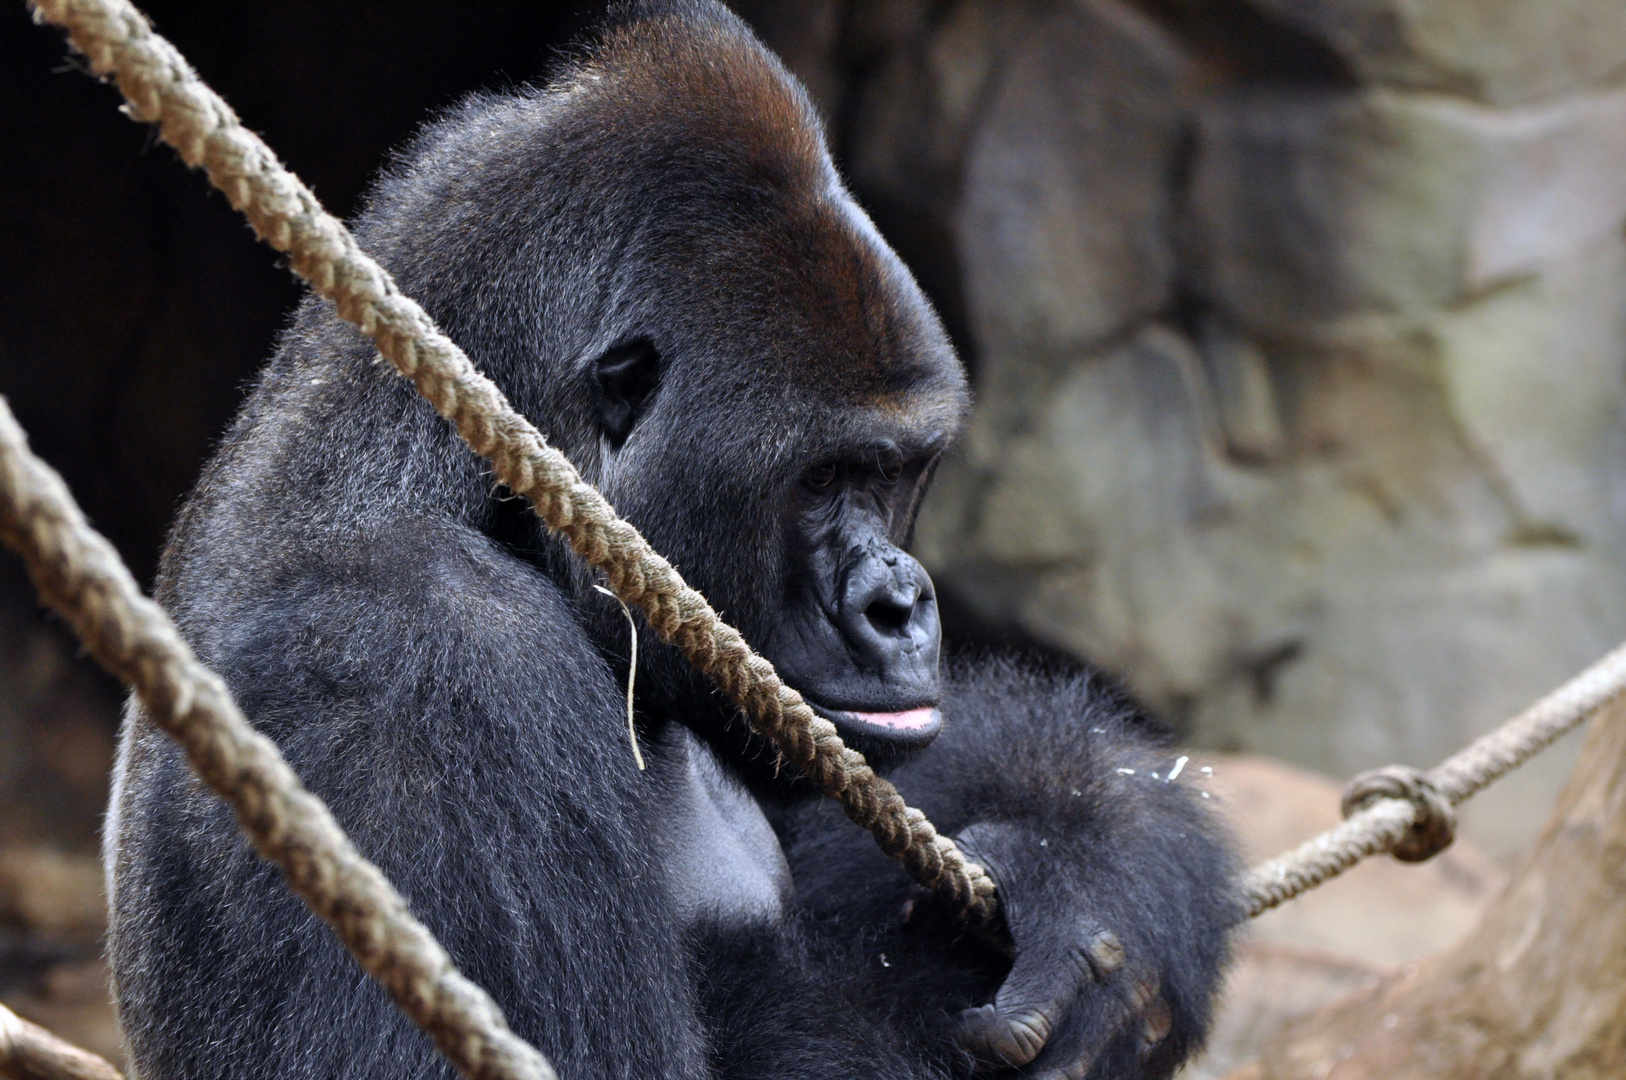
[[746, 233], [704, 79], [919, 424], [674, 185]]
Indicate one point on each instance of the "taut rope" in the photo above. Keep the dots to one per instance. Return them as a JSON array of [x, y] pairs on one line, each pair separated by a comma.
[[1410, 813]]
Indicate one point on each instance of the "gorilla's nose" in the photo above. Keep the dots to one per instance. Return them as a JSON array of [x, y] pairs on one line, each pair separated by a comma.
[[889, 611]]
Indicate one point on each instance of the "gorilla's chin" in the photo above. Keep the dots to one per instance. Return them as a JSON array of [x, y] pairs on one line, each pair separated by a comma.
[[890, 701]]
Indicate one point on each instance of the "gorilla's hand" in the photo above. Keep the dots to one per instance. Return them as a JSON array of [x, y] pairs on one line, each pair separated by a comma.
[[1076, 988]]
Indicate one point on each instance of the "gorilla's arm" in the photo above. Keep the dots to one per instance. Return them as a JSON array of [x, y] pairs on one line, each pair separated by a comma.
[[443, 700], [1115, 883]]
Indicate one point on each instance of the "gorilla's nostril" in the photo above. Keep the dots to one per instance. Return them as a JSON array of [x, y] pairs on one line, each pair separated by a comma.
[[890, 614], [886, 609]]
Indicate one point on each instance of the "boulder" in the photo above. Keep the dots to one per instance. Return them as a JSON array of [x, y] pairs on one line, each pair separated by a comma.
[[1064, 222], [1499, 51], [1536, 378], [1313, 207]]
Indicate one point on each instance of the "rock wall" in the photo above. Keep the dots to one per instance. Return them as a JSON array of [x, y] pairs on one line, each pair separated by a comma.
[[1299, 334]]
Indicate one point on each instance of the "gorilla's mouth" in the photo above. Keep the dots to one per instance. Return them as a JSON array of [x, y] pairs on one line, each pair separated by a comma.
[[917, 725], [909, 720]]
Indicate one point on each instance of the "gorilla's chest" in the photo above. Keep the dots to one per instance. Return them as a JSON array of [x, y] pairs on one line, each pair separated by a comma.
[[723, 861]]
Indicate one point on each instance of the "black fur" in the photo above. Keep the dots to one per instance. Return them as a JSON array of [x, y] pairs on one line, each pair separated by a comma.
[[655, 261]]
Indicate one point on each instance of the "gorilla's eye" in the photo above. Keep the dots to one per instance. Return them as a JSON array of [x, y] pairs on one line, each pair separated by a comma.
[[820, 477], [624, 385], [890, 468]]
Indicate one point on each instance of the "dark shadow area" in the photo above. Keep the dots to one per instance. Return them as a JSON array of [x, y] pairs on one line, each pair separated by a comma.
[[1241, 44], [134, 302]]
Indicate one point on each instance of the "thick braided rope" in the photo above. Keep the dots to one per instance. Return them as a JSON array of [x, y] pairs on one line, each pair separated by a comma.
[[1387, 823], [29, 1052], [82, 578], [161, 88]]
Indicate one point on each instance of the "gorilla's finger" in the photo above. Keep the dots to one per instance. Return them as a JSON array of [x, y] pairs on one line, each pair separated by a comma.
[[1159, 1020], [1096, 1022], [1144, 991], [1042, 988], [1106, 953], [1147, 1002], [1010, 1039]]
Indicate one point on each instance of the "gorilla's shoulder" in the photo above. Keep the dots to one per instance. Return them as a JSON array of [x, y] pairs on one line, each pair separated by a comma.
[[396, 615]]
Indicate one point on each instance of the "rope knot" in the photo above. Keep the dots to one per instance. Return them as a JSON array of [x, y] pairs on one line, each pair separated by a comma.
[[1434, 825]]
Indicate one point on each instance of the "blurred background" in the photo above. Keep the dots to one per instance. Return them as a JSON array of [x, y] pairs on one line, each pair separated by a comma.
[[1297, 330]]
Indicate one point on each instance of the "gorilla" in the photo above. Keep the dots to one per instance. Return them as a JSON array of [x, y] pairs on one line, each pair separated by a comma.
[[654, 258]]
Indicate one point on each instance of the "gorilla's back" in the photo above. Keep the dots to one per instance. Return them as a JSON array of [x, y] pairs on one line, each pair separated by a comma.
[[335, 566]]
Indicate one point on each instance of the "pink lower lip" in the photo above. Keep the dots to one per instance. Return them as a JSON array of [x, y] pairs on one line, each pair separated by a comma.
[[912, 720]]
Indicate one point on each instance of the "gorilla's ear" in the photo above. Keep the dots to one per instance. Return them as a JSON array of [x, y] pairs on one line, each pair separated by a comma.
[[624, 383]]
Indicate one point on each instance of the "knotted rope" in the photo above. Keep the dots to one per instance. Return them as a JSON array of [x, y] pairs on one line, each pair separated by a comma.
[[80, 575], [160, 88], [1434, 819], [1412, 814]]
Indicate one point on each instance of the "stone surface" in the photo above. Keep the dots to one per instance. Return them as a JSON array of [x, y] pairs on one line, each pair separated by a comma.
[[1245, 398], [52, 920], [57, 710], [914, 113], [1501, 51], [71, 1000], [52, 894], [1536, 376], [1064, 223], [1309, 207]]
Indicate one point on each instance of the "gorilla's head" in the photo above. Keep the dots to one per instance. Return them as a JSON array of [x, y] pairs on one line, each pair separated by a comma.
[[655, 259]]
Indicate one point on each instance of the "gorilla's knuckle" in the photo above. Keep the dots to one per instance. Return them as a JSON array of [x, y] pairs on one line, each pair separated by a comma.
[[1145, 991], [1025, 1034], [1106, 953], [1157, 1021]]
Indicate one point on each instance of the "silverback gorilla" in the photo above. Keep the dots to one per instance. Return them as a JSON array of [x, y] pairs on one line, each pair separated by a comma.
[[655, 260]]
